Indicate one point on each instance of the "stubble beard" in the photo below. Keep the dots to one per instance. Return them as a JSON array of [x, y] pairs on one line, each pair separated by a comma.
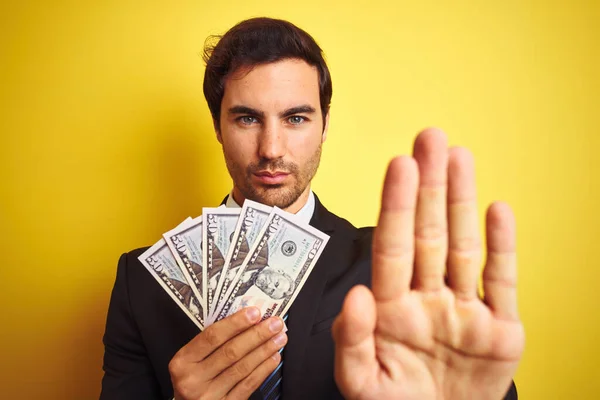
[[282, 195]]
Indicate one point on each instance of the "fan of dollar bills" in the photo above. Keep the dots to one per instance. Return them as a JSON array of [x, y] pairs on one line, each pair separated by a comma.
[[231, 258]]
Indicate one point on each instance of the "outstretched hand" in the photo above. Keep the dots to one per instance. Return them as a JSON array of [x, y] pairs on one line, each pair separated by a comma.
[[423, 332]]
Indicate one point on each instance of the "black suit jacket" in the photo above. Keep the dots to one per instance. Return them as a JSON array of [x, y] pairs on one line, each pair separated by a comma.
[[145, 328]]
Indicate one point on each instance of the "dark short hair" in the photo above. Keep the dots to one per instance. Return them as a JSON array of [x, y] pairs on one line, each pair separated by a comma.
[[255, 42]]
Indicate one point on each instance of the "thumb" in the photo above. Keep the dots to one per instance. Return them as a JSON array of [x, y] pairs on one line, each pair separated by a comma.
[[353, 333], [356, 322]]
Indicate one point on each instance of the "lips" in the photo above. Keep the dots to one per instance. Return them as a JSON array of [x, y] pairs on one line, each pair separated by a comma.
[[271, 178]]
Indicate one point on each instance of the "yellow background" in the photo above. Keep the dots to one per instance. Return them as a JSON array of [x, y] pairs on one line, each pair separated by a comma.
[[106, 142]]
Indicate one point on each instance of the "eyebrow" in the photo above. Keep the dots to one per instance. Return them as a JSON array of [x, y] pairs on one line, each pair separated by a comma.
[[303, 109]]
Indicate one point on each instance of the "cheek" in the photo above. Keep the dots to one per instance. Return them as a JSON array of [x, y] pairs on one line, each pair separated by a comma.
[[238, 151], [302, 147]]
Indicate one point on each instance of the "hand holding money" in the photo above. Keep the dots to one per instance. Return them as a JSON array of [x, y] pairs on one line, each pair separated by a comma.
[[231, 358]]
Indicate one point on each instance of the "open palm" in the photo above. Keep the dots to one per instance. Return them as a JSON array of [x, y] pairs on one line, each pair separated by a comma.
[[423, 332]]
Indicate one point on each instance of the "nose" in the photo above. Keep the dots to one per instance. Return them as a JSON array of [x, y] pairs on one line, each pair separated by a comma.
[[272, 141]]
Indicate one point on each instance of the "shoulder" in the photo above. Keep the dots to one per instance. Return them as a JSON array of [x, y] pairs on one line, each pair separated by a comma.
[[361, 236], [352, 248], [342, 231], [365, 238], [133, 255], [130, 269]]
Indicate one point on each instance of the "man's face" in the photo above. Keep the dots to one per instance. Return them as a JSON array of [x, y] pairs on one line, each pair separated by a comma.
[[274, 284], [271, 130]]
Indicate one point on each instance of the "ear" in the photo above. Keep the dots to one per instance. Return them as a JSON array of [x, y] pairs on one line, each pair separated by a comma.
[[325, 128], [217, 130]]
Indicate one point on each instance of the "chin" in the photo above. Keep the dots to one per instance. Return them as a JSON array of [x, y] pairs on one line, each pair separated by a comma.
[[279, 196]]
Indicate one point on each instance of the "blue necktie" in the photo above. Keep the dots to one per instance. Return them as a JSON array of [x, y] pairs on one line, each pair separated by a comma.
[[271, 387]]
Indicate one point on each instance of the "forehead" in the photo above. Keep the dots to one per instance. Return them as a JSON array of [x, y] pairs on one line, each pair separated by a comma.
[[277, 85]]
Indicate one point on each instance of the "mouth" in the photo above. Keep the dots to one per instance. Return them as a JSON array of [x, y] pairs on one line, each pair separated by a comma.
[[271, 178]]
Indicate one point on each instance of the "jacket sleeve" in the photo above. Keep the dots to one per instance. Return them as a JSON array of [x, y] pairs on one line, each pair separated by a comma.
[[128, 373]]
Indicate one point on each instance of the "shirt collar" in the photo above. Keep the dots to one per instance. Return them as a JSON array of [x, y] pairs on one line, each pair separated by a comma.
[[304, 214]]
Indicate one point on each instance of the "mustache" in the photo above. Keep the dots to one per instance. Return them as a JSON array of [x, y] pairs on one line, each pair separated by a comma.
[[278, 164]]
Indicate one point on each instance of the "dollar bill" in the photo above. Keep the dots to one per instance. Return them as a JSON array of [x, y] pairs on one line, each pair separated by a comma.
[[185, 242], [251, 221], [159, 261], [276, 268], [217, 231]]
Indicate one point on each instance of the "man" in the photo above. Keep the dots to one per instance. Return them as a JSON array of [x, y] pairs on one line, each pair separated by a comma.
[[409, 323]]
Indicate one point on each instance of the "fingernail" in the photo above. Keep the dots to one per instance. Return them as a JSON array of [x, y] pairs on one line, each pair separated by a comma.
[[253, 314], [276, 356], [280, 339], [275, 325]]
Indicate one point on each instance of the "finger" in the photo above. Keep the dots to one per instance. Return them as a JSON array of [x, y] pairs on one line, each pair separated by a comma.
[[500, 273], [244, 368], [245, 388], [238, 347], [353, 333], [218, 333], [464, 250], [393, 240], [431, 233]]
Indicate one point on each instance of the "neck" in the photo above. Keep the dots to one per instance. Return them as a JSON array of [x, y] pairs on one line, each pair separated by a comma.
[[293, 208]]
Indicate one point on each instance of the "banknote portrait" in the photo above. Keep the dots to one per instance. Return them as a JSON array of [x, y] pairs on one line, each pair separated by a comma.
[[242, 249], [185, 293], [161, 263], [248, 277], [185, 243], [217, 263], [275, 283], [196, 270], [220, 225]]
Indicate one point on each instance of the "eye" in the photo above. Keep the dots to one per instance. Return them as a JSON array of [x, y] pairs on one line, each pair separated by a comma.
[[247, 120], [296, 119]]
